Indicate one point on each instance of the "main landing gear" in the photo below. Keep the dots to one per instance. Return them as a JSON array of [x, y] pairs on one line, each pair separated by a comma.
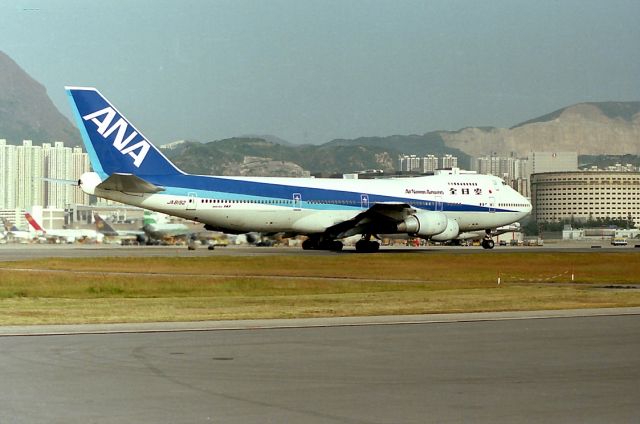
[[366, 245], [487, 242], [314, 243]]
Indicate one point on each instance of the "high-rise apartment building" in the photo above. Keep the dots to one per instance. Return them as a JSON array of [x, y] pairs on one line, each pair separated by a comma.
[[409, 163], [29, 172], [425, 164], [429, 164], [511, 169], [449, 161], [79, 165], [7, 175], [24, 167], [57, 164]]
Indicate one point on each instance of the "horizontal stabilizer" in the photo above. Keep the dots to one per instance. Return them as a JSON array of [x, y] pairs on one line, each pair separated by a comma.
[[61, 181], [128, 183]]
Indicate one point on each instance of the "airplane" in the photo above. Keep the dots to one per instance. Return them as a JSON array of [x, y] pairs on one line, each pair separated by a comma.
[[12, 233], [128, 168], [159, 230], [156, 231], [66, 235], [157, 227], [123, 236]]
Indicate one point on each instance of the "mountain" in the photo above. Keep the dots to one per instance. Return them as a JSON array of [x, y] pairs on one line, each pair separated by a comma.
[[258, 157], [26, 112], [268, 137], [430, 143], [596, 128], [231, 156], [235, 156], [605, 128]]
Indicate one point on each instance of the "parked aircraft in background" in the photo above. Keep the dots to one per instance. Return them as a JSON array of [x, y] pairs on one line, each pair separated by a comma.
[[122, 236], [157, 231], [129, 169], [64, 235], [12, 233], [156, 227]]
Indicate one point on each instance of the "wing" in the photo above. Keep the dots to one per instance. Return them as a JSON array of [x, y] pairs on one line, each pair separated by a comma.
[[128, 183], [381, 218]]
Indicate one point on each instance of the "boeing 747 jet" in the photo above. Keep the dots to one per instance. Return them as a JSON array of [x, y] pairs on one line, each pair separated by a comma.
[[128, 168]]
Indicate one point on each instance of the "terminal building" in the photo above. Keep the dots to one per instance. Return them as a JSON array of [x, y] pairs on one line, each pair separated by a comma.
[[584, 195]]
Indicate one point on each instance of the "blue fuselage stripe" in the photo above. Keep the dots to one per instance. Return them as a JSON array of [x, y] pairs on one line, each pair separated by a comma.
[[311, 197]]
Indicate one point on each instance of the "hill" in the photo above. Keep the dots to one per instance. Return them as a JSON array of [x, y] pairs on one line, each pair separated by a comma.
[[606, 128], [27, 112], [596, 128], [257, 157]]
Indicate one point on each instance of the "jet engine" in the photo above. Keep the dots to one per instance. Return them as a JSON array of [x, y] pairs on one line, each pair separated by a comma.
[[451, 232], [424, 224]]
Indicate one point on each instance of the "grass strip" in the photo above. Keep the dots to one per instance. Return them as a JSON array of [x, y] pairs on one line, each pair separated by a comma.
[[95, 290]]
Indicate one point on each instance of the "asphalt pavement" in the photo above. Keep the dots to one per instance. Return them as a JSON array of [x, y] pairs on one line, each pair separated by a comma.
[[552, 367]]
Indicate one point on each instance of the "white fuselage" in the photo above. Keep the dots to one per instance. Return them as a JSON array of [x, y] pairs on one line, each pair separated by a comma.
[[309, 205]]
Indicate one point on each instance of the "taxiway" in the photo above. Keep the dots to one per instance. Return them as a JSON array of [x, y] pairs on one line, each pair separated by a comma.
[[510, 370], [14, 252]]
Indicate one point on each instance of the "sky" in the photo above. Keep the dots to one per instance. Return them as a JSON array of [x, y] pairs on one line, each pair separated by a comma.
[[313, 71]]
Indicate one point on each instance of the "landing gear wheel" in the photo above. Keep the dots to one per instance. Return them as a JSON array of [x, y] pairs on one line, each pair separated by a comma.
[[333, 245], [367, 246], [309, 244], [488, 244]]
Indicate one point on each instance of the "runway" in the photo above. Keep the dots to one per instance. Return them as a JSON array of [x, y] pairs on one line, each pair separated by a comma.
[[512, 370], [15, 252]]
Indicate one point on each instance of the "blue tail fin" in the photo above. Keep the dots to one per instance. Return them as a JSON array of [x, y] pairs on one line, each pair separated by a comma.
[[113, 143]]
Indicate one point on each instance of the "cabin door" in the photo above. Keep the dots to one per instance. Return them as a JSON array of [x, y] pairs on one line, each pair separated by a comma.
[[297, 201], [364, 201], [439, 203], [192, 201]]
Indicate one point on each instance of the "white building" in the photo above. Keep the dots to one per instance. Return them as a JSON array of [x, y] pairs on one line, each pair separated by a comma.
[[29, 172], [429, 163], [425, 164], [79, 165], [8, 175], [24, 167], [449, 161], [585, 195], [511, 169], [540, 162], [409, 163]]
